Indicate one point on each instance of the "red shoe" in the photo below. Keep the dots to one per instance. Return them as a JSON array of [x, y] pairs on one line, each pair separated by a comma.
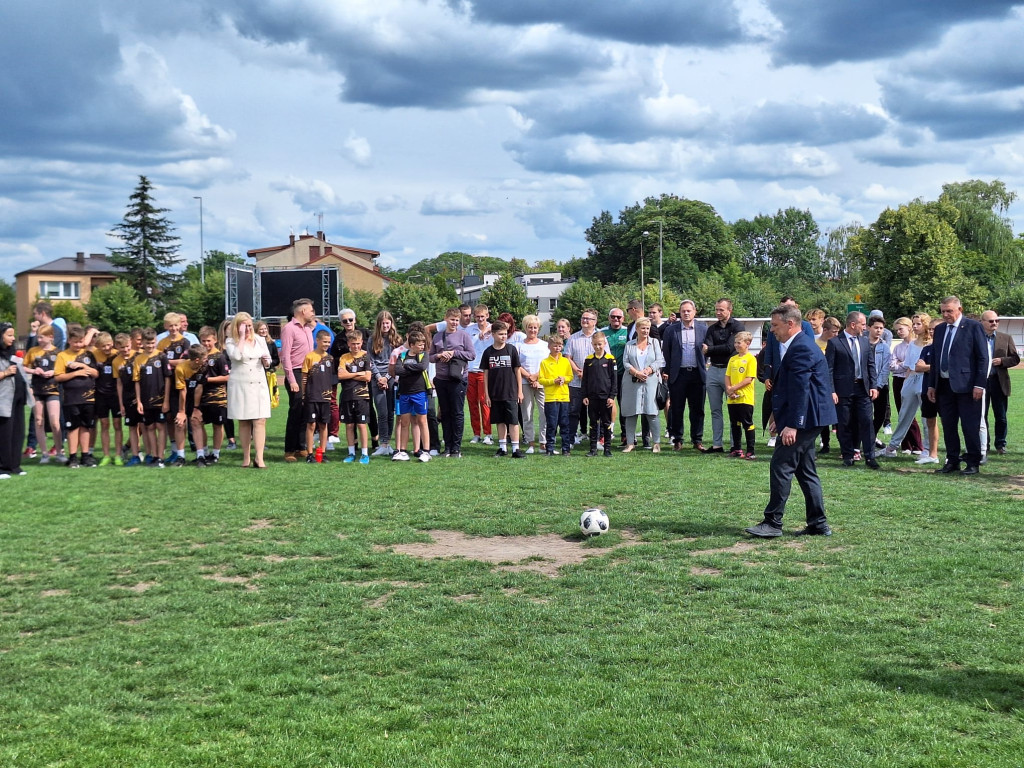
[[30, 453]]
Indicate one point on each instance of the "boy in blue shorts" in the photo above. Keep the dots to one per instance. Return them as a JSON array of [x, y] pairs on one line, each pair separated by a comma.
[[411, 370]]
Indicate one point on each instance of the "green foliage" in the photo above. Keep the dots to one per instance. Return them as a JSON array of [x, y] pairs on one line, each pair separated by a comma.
[[413, 301], [452, 265], [786, 243], [366, 305], [546, 265], [840, 263], [984, 231], [1010, 301], [202, 303], [72, 313], [8, 302], [116, 308], [508, 295], [150, 249], [582, 294], [445, 291]]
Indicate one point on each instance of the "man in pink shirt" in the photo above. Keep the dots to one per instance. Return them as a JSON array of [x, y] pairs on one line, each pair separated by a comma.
[[296, 343]]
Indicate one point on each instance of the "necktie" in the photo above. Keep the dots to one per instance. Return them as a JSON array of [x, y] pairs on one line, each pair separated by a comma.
[[855, 351], [946, 342]]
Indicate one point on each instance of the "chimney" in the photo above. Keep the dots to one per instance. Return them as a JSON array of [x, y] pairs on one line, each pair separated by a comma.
[[291, 239], [80, 257], [314, 252], [320, 235]]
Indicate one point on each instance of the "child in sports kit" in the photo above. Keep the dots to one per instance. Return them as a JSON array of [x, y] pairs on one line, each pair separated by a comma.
[[124, 372], [175, 347], [318, 378], [212, 398], [555, 375], [410, 367], [75, 371], [355, 372], [40, 361], [739, 390], [152, 376], [600, 386], [108, 407], [188, 377], [503, 388]]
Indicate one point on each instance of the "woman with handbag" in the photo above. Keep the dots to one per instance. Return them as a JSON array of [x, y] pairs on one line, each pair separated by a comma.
[[13, 393], [642, 361]]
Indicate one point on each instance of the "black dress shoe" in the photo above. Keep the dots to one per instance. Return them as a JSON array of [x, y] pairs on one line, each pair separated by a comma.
[[872, 464], [824, 449], [848, 463], [948, 468], [1001, 451], [970, 469], [815, 530], [764, 531]]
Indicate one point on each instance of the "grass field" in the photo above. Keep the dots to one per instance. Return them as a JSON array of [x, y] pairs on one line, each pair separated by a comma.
[[223, 617]]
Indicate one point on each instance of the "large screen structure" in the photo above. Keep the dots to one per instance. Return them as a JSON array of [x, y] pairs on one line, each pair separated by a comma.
[[269, 293]]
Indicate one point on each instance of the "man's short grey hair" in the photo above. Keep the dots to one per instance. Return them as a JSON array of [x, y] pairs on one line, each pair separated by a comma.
[[852, 317], [346, 311], [788, 313], [688, 301]]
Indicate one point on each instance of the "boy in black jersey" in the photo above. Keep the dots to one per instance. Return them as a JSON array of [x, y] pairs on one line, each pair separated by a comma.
[[355, 372], [152, 378], [503, 388], [318, 380], [75, 371], [212, 398], [175, 347], [124, 373], [40, 362], [107, 405], [600, 386], [188, 376]]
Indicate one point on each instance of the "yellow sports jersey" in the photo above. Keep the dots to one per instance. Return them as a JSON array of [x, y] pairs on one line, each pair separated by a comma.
[[739, 368], [44, 360], [80, 389], [151, 373], [551, 369], [319, 376]]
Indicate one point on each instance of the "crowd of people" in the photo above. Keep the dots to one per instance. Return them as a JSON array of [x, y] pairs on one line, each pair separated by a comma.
[[120, 399]]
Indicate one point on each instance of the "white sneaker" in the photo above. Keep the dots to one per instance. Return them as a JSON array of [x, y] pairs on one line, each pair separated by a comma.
[[4, 476], [530, 449], [890, 453], [475, 439], [332, 439], [400, 456], [578, 440], [488, 441], [887, 430], [382, 451], [44, 459], [771, 442], [424, 457], [857, 455], [433, 452], [329, 446], [927, 460]]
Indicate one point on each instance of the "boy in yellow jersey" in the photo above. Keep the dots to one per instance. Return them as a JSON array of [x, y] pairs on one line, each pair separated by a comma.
[[152, 378], [188, 376], [175, 346], [318, 379], [40, 361], [555, 375], [355, 372], [124, 372], [739, 389], [75, 371], [108, 407], [212, 399]]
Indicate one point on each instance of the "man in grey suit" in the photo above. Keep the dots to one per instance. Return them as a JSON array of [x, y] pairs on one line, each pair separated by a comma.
[[1004, 357], [851, 364], [956, 384]]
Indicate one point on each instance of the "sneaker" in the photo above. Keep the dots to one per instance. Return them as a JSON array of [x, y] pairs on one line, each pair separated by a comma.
[[424, 457], [212, 459], [592, 452], [488, 441], [400, 456], [73, 463], [134, 461], [578, 440], [310, 458], [198, 461], [501, 452], [476, 439], [433, 452], [179, 461], [879, 444], [456, 455], [518, 454], [350, 459], [232, 445], [60, 458], [30, 453], [888, 429], [749, 456], [364, 459], [857, 455], [735, 453], [928, 460], [44, 459], [549, 453], [332, 439], [329, 446], [383, 450], [149, 461], [89, 461], [4, 476], [160, 464], [566, 451], [771, 442], [529, 451], [52, 453], [890, 453], [607, 451]]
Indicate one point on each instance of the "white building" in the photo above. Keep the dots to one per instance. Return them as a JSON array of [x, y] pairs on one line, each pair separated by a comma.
[[544, 289]]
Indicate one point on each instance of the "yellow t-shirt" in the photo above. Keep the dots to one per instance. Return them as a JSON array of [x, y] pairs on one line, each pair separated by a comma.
[[551, 369], [739, 368]]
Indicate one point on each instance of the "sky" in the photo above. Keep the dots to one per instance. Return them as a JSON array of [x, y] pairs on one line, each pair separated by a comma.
[[495, 127]]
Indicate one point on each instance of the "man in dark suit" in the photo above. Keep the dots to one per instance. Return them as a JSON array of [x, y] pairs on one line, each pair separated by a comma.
[[686, 374], [801, 404], [956, 384], [851, 366], [1004, 357]]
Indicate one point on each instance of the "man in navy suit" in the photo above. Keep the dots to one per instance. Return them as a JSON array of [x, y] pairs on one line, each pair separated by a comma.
[[851, 365], [686, 374], [956, 384], [802, 405]]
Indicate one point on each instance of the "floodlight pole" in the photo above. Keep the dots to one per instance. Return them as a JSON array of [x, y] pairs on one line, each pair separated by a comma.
[[202, 251], [661, 254], [642, 299]]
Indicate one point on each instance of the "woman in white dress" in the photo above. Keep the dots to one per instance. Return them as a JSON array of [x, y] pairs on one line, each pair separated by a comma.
[[248, 394]]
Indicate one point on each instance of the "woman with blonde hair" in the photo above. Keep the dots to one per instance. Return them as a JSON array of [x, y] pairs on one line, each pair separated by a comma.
[[532, 350], [903, 329], [924, 326], [384, 339], [248, 396], [910, 392], [642, 361]]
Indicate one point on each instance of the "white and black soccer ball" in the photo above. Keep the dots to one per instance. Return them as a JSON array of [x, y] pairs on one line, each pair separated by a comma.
[[594, 522]]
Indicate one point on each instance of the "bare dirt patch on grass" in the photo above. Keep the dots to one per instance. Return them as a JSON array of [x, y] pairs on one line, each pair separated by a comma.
[[696, 571], [284, 559], [545, 553], [260, 525], [138, 589], [738, 548], [54, 592], [246, 581]]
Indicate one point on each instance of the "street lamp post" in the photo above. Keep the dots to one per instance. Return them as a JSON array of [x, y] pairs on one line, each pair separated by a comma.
[[202, 250], [643, 300], [661, 254]]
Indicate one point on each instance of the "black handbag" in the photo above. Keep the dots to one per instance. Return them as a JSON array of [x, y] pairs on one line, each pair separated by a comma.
[[661, 399]]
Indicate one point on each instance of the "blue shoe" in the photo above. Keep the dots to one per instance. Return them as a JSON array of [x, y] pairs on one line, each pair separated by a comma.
[[364, 459], [350, 459], [134, 461], [150, 461]]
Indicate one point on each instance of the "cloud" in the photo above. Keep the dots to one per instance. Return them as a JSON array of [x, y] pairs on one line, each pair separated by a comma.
[[824, 32], [822, 124], [455, 204], [950, 113], [309, 195], [357, 149], [391, 203], [710, 23]]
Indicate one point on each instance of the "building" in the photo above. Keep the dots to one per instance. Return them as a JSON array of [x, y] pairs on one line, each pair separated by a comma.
[[356, 265], [66, 279], [544, 289]]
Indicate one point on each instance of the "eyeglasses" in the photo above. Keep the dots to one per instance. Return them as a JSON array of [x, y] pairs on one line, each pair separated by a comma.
[[588, 319], [348, 319], [996, 321], [615, 317]]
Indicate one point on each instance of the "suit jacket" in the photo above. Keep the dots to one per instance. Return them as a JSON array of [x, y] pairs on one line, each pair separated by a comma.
[[841, 368], [672, 346], [802, 387], [771, 350], [1007, 350], [969, 360]]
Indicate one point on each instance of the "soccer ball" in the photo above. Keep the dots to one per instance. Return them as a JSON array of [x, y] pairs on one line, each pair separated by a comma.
[[594, 522]]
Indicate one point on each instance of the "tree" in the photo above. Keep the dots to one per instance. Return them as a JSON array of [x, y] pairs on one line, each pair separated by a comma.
[[8, 302], [786, 242], [116, 308], [581, 295], [413, 301], [982, 228], [202, 303], [839, 261], [546, 265], [150, 249], [366, 305], [72, 313], [508, 295]]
